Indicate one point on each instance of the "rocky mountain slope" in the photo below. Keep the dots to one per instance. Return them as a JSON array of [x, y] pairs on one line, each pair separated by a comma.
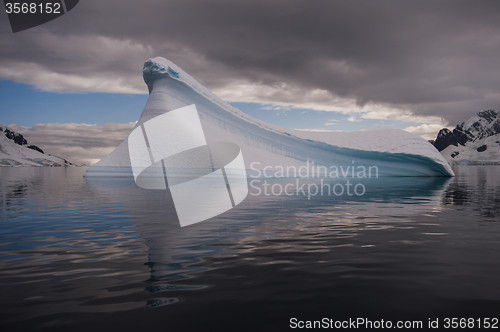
[[15, 151], [475, 141]]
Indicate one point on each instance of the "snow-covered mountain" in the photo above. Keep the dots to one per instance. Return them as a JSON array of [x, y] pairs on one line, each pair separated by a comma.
[[475, 141], [15, 151], [265, 146]]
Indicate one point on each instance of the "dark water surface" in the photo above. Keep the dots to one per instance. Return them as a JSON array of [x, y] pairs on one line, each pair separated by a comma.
[[82, 254]]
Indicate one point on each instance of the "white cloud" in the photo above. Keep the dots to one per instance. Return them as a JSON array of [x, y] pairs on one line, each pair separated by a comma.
[[320, 130], [79, 143], [427, 131], [402, 115], [47, 80], [275, 108], [285, 96], [83, 64], [353, 119]]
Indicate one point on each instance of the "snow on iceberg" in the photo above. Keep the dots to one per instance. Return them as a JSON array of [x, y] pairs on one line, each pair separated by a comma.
[[265, 146]]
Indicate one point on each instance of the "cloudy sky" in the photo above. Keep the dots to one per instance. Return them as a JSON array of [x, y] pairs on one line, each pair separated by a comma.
[[305, 64]]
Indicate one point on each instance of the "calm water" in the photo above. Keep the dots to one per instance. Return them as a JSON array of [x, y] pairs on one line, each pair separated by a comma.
[[98, 255]]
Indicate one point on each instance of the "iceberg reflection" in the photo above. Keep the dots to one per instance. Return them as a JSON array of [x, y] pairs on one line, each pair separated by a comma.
[[174, 252]]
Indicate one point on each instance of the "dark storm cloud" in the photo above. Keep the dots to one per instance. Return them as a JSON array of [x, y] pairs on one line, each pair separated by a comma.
[[430, 57]]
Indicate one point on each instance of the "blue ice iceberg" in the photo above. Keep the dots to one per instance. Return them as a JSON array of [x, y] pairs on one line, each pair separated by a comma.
[[278, 151]]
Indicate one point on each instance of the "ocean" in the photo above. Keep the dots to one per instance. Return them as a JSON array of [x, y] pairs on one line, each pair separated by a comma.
[[82, 254]]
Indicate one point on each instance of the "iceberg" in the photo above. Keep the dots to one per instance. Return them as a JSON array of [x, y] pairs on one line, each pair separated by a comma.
[[180, 150]]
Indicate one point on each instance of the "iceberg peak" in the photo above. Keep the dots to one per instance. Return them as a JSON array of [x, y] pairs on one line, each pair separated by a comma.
[[153, 70]]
